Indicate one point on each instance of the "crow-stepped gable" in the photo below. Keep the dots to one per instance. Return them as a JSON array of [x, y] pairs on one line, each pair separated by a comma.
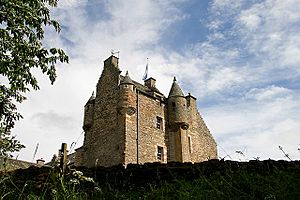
[[127, 122]]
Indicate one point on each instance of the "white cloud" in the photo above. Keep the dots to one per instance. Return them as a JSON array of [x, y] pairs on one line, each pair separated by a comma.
[[269, 93], [222, 79], [270, 31], [53, 120], [265, 119], [251, 21]]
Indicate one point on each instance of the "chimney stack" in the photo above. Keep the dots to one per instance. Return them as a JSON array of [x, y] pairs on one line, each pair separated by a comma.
[[150, 82], [111, 61]]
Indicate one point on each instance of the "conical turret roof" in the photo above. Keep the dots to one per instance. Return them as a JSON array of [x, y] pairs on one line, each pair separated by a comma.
[[175, 90], [92, 97], [127, 79]]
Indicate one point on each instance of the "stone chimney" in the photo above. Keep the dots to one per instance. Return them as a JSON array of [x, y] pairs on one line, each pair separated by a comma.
[[111, 61], [150, 82]]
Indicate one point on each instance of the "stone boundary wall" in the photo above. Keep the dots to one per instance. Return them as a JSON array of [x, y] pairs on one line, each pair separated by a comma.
[[156, 173], [119, 177]]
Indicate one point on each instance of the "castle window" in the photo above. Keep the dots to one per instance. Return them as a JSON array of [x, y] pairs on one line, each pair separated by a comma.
[[173, 106], [188, 102], [190, 144], [160, 153], [158, 122]]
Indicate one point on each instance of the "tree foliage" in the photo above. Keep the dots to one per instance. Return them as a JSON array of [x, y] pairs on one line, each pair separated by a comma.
[[22, 24]]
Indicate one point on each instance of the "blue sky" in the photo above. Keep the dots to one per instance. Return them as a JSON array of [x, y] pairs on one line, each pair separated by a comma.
[[240, 58]]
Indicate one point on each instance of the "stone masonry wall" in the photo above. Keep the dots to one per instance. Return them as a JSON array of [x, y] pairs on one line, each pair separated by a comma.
[[129, 130], [150, 137], [203, 146], [105, 145]]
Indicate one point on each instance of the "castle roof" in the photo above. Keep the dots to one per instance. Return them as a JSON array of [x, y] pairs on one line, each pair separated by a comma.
[[175, 90], [92, 96], [127, 79], [91, 99], [143, 89]]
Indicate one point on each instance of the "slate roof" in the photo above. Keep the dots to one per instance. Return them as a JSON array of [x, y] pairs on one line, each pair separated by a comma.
[[175, 90], [91, 99], [145, 90], [127, 79]]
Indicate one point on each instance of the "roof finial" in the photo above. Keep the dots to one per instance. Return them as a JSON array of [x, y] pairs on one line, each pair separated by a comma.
[[174, 80], [126, 73]]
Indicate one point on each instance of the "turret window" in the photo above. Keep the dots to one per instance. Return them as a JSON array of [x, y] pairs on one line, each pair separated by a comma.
[[173, 106], [158, 122]]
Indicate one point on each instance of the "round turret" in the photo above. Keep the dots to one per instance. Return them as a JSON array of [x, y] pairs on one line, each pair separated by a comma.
[[89, 113], [177, 107], [127, 97]]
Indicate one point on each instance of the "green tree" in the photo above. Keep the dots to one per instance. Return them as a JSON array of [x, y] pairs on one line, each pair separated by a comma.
[[22, 24]]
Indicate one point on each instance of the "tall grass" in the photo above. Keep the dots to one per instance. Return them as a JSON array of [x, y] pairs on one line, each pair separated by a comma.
[[221, 180]]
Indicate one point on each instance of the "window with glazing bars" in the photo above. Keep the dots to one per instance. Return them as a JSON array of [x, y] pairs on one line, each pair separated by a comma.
[[158, 122], [160, 152]]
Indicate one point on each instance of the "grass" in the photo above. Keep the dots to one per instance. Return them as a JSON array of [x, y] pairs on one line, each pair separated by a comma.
[[215, 180], [239, 185]]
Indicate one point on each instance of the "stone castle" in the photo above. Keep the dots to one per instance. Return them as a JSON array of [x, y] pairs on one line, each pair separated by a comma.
[[127, 122]]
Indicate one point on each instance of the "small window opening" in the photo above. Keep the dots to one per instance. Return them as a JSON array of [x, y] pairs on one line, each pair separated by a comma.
[[160, 152], [158, 122], [173, 106], [188, 102], [190, 144]]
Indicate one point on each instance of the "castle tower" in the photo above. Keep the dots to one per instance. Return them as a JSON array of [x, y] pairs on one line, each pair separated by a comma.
[[127, 118], [89, 113], [103, 127], [88, 118], [127, 102], [177, 115]]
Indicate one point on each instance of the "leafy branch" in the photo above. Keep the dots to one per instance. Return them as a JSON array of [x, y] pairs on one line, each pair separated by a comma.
[[21, 50]]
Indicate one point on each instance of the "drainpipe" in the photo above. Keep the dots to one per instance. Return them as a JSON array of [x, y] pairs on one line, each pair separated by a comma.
[[137, 127]]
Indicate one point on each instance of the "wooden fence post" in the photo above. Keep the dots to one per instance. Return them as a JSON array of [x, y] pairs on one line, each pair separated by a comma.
[[63, 157]]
